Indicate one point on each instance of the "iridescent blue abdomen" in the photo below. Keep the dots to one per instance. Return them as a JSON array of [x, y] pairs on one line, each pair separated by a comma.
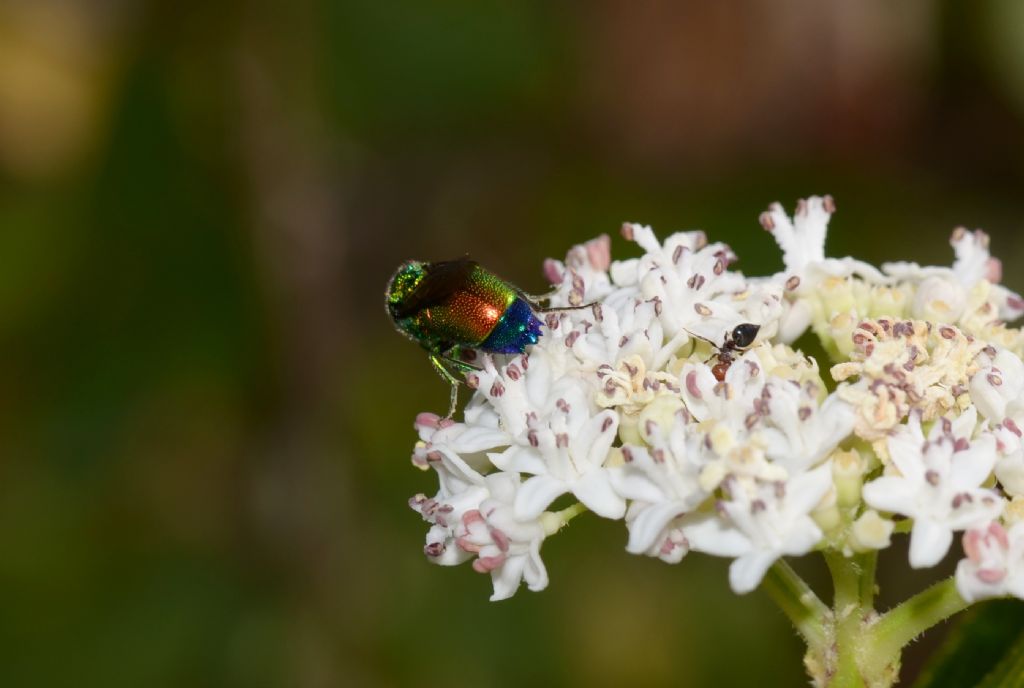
[[517, 328]]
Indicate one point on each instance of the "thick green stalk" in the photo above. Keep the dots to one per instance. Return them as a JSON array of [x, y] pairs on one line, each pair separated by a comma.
[[867, 563], [849, 615], [798, 602], [910, 619]]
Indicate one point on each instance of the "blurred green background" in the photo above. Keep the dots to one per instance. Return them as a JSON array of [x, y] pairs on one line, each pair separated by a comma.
[[205, 417]]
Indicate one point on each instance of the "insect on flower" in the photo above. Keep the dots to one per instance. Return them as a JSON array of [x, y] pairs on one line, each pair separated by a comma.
[[739, 339], [455, 308]]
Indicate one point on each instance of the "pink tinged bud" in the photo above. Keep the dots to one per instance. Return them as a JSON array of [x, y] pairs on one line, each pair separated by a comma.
[[991, 576], [1010, 425], [599, 252], [497, 389], [792, 283], [434, 549], [488, 564], [427, 420], [766, 221], [971, 544], [1015, 302], [467, 545], [994, 270], [829, 204], [627, 231], [472, 517], [552, 271], [500, 539]]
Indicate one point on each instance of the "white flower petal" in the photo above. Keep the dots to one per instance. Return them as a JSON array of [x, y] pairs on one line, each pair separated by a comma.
[[710, 534], [631, 482], [536, 495], [929, 542], [890, 494], [506, 578], [805, 491], [594, 489], [517, 459], [746, 573], [590, 447], [649, 525], [974, 465]]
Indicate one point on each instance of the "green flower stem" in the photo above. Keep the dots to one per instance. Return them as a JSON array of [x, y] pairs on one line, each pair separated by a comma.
[[867, 563], [554, 521], [571, 512], [798, 602], [908, 620], [849, 614]]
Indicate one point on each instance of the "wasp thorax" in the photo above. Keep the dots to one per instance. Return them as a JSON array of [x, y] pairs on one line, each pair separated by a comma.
[[402, 285]]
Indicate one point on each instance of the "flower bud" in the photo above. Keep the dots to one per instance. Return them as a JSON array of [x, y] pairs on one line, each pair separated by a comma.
[[870, 532], [659, 416], [848, 474]]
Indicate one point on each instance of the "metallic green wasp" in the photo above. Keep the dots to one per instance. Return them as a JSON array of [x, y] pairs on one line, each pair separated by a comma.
[[456, 307]]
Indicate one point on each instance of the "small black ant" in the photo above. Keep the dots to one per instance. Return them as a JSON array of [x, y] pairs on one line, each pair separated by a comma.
[[741, 337]]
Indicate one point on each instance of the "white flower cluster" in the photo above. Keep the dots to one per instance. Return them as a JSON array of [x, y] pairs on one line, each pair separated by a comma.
[[643, 408]]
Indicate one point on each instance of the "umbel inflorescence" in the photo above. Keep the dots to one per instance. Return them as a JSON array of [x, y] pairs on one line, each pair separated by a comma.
[[915, 425]]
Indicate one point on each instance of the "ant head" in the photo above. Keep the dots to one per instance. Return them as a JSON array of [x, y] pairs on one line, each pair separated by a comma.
[[743, 335]]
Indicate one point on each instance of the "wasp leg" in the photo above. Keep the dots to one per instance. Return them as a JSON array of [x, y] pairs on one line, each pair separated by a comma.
[[558, 309], [534, 302], [462, 366], [442, 370]]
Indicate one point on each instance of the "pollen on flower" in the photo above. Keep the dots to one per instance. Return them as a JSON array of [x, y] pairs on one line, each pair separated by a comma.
[[904, 365], [642, 408]]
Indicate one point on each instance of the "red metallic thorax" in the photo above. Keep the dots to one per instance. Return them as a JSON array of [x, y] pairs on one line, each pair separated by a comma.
[[473, 311]]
